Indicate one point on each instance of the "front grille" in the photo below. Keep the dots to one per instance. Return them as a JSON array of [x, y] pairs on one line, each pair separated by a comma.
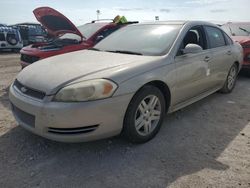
[[25, 117], [28, 91], [28, 58], [70, 131]]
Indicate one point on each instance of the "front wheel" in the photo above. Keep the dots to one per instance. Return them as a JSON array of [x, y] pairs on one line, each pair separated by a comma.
[[144, 115], [231, 80]]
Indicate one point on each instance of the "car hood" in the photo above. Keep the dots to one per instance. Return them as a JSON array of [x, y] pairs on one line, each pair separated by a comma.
[[241, 39], [51, 74], [55, 22]]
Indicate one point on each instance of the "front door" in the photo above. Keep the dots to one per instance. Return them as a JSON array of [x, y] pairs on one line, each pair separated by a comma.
[[193, 68]]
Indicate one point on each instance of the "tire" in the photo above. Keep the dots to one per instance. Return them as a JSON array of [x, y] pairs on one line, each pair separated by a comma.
[[149, 117], [231, 80], [12, 40]]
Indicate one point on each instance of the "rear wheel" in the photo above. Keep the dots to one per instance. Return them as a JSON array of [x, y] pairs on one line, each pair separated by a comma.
[[144, 115], [231, 80]]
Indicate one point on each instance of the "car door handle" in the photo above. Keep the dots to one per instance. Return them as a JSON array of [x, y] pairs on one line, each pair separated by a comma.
[[229, 52], [207, 59]]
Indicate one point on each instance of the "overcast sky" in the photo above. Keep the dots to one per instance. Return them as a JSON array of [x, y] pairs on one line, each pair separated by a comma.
[[82, 11]]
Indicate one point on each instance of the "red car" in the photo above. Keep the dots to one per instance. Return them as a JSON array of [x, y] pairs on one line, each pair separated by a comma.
[[65, 36], [240, 32]]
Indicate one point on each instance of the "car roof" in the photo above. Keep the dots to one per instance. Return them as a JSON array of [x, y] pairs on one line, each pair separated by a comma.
[[97, 23], [178, 22], [165, 22], [232, 23]]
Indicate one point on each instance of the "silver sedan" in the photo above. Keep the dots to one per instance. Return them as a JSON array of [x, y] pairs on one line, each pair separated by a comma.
[[127, 83]]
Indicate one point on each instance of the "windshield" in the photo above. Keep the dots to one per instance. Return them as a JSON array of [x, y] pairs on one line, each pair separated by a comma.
[[36, 30], [87, 30], [241, 29], [150, 39]]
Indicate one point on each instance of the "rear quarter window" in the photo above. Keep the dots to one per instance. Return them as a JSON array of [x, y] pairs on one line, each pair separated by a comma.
[[226, 29], [229, 41], [215, 37]]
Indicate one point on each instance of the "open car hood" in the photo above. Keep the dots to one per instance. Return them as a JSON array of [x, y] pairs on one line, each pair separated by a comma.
[[55, 22]]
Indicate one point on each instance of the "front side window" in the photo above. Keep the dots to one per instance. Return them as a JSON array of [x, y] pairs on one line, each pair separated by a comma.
[[215, 37], [194, 36], [148, 39]]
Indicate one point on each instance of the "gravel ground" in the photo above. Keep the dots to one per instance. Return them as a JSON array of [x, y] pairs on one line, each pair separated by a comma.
[[204, 145]]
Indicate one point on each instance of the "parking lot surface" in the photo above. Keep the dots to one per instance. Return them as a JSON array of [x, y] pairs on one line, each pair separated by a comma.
[[207, 144]]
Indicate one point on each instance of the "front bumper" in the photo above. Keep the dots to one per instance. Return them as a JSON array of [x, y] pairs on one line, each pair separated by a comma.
[[70, 122]]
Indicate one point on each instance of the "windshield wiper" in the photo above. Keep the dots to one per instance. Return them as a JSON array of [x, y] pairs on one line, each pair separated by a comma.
[[124, 52], [248, 32], [95, 49]]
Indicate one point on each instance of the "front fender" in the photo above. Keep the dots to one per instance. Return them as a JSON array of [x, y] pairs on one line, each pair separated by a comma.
[[166, 74]]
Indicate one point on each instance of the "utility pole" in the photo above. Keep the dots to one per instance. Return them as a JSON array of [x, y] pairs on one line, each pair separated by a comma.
[[98, 12]]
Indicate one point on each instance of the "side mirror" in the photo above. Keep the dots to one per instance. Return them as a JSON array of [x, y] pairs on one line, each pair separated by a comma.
[[192, 49], [99, 38]]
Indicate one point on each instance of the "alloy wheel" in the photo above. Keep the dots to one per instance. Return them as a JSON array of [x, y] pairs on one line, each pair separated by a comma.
[[147, 115], [231, 77]]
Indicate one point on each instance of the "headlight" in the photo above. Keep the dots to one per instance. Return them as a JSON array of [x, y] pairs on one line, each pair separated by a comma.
[[86, 91]]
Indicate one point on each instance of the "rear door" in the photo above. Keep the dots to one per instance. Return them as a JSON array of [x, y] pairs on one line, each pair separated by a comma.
[[222, 58], [192, 69]]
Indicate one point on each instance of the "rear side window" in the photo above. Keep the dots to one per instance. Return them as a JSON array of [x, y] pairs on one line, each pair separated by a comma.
[[215, 37]]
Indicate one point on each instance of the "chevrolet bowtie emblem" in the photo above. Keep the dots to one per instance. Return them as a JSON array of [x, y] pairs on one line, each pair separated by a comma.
[[23, 89]]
